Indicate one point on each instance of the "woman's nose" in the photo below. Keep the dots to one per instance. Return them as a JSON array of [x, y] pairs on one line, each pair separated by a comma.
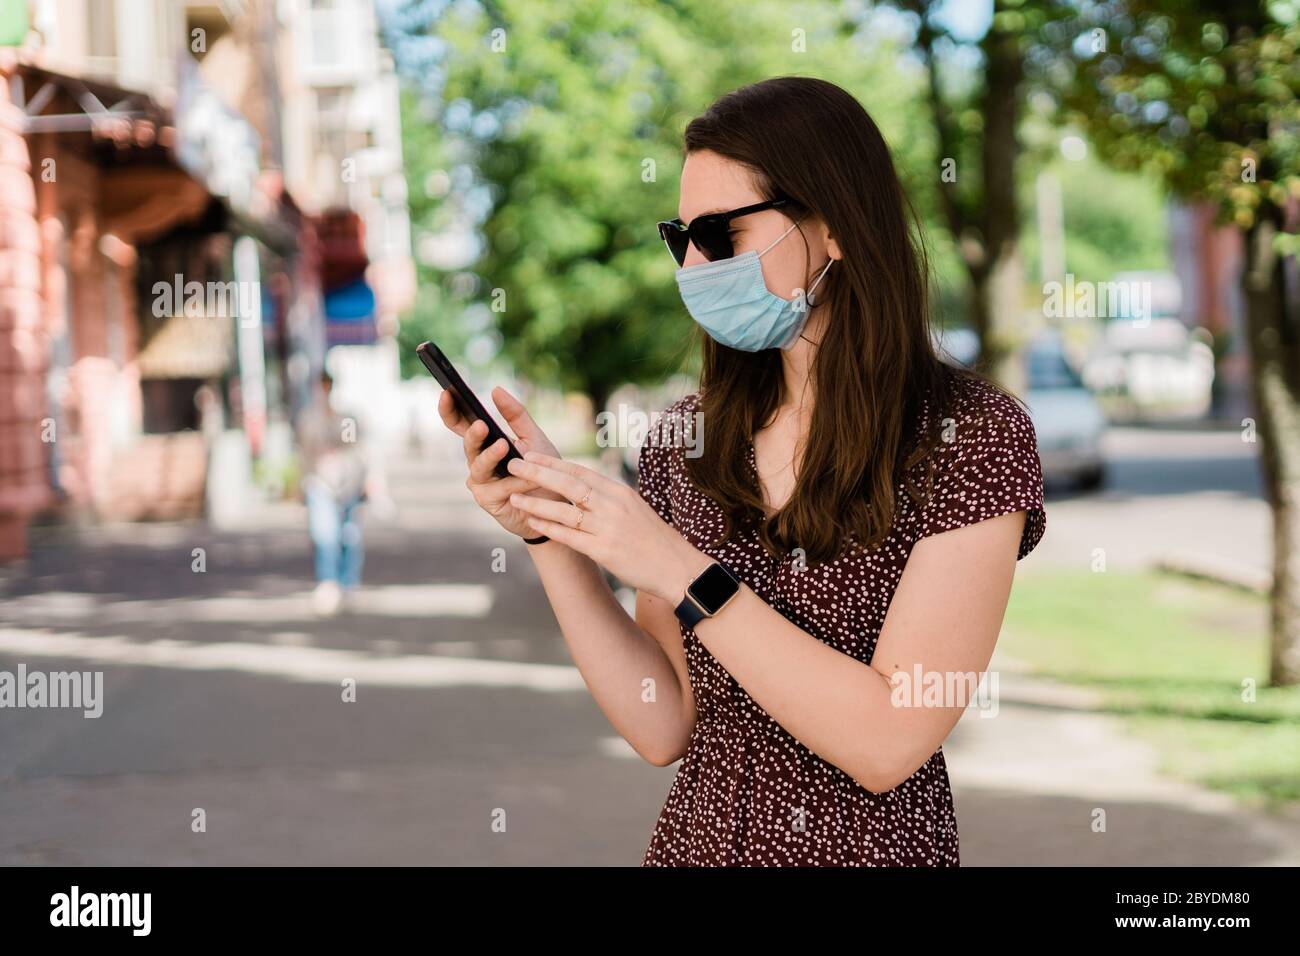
[[693, 256]]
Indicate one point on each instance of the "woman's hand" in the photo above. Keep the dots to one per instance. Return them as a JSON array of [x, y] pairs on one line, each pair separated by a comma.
[[617, 529], [490, 492]]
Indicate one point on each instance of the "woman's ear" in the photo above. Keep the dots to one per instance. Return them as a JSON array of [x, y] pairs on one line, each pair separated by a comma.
[[832, 247]]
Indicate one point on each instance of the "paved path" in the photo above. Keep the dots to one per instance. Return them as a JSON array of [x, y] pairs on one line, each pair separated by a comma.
[[1169, 492], [222, 693], [1030, 783]]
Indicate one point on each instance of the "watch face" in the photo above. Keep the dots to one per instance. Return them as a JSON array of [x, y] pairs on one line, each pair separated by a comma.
[[712, 588]]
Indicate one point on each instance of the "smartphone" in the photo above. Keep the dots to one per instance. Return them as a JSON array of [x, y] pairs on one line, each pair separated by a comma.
[[466, 401]]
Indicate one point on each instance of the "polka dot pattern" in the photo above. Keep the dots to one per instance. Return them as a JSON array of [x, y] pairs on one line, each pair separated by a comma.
[[747, 793]]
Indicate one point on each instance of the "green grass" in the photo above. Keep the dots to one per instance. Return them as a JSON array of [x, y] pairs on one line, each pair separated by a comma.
[[1171, 655]]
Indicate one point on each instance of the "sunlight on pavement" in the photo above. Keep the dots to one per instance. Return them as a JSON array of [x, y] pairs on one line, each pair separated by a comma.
[[294, 663], [413, 600]]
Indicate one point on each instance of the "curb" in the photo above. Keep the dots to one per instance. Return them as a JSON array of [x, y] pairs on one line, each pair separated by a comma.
[[1205, 567]]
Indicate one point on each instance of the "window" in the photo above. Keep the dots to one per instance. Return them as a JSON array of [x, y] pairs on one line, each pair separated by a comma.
[[168, 405]]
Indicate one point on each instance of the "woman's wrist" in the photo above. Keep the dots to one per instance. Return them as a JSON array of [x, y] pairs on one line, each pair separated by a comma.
[[682, 566]]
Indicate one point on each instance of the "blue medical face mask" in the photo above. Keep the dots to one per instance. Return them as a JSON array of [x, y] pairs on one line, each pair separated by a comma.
[[734, 305]]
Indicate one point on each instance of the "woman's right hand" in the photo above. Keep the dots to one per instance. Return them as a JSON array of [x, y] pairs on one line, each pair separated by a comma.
[[490, 492]]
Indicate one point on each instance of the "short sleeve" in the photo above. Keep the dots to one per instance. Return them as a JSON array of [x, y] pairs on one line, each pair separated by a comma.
[[986, 465], [652, 479], [655, 462]]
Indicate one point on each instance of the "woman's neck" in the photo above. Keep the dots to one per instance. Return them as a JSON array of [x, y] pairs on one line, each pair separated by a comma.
[[796, 367]]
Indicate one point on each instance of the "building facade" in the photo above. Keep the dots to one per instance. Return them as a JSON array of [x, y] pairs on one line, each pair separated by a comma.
[[164, 175]]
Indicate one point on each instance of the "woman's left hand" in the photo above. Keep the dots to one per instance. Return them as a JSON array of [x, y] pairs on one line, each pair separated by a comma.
[[610, 523]]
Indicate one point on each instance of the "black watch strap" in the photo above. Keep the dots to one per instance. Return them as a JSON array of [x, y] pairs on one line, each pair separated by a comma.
[[540, 539], [688, 612]]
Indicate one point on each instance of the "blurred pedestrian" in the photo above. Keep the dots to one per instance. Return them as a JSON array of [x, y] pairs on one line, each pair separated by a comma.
[[338, 469]]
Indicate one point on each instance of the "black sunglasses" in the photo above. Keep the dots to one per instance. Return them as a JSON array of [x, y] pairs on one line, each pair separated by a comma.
[[711, 233]]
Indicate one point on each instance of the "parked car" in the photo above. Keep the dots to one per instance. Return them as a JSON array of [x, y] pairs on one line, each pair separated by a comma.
[[1067, 418], [1151, 371]]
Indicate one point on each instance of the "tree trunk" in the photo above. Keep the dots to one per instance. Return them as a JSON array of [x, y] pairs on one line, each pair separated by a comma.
[[998, 280], [1275, 357], [598, 394], [997, 311]]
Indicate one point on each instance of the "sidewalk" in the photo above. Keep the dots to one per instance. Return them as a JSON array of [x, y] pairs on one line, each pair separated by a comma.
[[223, 693], [1029, 783]]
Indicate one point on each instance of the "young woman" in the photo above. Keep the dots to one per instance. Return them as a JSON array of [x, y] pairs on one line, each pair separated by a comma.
[[850, 531]]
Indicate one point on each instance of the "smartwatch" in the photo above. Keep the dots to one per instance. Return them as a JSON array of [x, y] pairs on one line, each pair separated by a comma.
[[711, 591]]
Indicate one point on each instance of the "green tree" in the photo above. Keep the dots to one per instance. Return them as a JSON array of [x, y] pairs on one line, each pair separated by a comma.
[[1114, 221], [570, 115], [988, 136], [1210, 102], [977, 117]]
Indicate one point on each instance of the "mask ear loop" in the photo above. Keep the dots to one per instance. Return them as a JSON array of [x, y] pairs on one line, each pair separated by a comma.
[[812, 297], [778, 239]]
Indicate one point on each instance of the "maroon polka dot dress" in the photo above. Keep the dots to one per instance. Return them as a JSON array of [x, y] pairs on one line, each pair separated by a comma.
[[746, 792]]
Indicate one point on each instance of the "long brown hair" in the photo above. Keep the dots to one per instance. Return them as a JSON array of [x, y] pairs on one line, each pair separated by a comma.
[[875, 367]]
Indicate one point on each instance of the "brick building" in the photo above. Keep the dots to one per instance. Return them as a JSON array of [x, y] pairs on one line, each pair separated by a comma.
[[147, 145]]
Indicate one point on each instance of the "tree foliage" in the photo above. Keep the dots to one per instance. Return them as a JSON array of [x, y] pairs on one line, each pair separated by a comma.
[[1207, 100], [570, 115], [1210, 101]]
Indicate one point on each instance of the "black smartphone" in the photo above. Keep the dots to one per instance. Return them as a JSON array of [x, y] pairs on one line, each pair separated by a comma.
[[466, 401]]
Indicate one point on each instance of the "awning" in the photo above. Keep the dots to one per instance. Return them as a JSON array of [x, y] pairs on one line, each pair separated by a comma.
[[193, 346], [140, 203], [350, 314], [350, 303]]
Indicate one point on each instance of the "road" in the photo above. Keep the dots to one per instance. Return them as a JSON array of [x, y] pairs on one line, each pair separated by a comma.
[[1169, 491], [223, 695]]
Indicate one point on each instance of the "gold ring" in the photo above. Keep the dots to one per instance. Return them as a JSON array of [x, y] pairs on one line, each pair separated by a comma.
[[581, 514], [585, 499]]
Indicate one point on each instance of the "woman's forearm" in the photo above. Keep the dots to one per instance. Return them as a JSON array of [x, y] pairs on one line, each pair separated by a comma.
[[838, 707], [615, 656]]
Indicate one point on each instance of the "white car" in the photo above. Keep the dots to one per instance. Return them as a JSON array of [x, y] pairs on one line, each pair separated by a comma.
[[1151, 371], [1067, 418], [1069, 421]]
